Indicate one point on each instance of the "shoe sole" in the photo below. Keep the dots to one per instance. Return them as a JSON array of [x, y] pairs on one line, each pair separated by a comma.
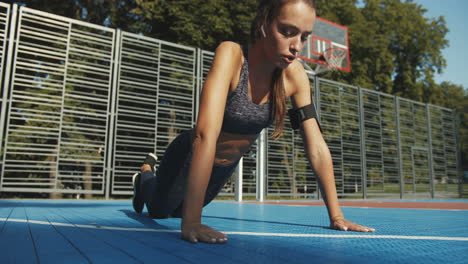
[[154, 156], [136, 201], [134, 178], [153, 168]]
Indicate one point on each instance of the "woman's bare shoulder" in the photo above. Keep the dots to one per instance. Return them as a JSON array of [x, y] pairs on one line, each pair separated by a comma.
[[228, 56], [295, 71], [296, 77], [229, 48]]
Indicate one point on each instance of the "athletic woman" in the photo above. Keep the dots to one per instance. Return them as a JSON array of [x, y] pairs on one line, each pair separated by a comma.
[[244, 92]]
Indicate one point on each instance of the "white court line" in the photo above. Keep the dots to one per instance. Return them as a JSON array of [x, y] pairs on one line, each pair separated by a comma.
[[89, 226], [234, 232]]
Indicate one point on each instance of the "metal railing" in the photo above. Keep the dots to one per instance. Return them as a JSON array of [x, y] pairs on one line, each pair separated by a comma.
[[82, 105], [4, 35], [58, 98], [155, 100]]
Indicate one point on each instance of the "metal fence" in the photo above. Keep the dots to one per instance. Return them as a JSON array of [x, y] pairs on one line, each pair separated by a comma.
[[82, 105], [155, 100]]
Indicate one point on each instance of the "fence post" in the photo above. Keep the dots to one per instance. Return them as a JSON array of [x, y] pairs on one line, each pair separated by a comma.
[[239, 179], [199, 82], [362, 145], [461, 176], [400, 157], [429, 148], [110, 147], [261, 166], [6, 83], [317, 106]]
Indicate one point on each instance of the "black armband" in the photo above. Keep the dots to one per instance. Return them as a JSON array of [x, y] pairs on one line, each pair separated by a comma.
[[299, 115]]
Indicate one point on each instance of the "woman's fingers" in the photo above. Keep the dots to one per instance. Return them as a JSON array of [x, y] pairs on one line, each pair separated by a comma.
[[205, 234], [346, 225], [364, 229], [190, 237], [359, 228], [341, 226], [212, 238]]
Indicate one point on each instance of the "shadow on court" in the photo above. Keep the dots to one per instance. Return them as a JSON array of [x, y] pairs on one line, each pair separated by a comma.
[[265, 222], [143, 219]]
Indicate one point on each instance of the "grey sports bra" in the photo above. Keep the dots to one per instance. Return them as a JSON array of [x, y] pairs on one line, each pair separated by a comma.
[[241, 115]]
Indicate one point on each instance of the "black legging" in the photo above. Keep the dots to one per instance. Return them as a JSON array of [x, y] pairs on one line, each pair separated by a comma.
[[164, 194]]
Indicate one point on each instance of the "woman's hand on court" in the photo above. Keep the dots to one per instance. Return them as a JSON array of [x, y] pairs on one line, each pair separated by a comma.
[[201, 233], [340, 223]]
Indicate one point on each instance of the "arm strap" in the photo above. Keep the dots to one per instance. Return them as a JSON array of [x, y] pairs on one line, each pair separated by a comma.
[[299, 115]]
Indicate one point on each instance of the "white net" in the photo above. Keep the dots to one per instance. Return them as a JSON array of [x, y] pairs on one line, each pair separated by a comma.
[[334, 58], [331, 60]]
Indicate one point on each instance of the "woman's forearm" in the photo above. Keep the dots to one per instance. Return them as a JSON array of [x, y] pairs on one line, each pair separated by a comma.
[[321, 161], [203, 152]]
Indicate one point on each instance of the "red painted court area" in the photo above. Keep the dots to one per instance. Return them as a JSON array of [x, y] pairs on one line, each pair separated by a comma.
[[380, 204]]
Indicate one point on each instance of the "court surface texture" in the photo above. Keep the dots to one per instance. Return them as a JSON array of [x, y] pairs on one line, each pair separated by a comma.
[[91, 231]]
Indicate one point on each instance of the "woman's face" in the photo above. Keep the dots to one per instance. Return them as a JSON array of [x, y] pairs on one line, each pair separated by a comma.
[[287, 34]]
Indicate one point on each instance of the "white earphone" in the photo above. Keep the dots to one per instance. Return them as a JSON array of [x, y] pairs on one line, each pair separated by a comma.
[[263, 31]]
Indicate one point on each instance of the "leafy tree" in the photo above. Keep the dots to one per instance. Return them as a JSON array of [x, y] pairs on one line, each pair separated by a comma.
[[199, 23], [416, 43], [371, 61], [464, 131], [455, 97], [69, 9], [394, 48]]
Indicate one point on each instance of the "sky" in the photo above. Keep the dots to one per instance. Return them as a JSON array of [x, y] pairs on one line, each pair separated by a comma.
[[456, 54]]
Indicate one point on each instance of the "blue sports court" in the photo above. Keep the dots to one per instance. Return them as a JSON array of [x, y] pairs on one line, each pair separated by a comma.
[[65, 231]]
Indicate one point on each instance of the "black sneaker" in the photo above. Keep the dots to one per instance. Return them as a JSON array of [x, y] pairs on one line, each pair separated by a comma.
[[137, 202], [151, 160]]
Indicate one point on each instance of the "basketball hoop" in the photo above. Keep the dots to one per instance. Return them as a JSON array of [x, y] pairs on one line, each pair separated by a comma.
[[327, 48], [334, 58], [331, 60]]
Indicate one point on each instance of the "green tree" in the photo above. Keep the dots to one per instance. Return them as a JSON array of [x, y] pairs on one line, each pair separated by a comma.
[[199, 23], [456, 97], [111, 13], [416, 43], [371, 61], [463, 132], [394, 48], [69, 9]]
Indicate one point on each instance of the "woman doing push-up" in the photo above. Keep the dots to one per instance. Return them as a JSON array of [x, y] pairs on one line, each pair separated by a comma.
[[244, 92]]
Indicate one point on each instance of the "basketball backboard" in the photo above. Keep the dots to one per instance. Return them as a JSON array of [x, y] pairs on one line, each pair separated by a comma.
[[327, 47]]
